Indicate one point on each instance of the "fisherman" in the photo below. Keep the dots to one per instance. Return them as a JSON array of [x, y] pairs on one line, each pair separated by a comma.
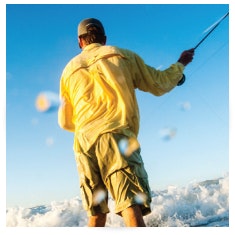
[[97, 88]]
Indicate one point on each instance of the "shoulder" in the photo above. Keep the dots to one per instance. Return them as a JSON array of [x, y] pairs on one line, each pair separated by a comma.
[[73, 64], [121, 51]]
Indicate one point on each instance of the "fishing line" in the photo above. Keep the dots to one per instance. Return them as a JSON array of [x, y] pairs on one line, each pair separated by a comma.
[[212, 27], [208, 59], [190, 86], [198, 68]]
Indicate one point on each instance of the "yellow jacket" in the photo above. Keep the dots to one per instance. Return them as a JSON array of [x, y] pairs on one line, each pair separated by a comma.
[[97, 89]]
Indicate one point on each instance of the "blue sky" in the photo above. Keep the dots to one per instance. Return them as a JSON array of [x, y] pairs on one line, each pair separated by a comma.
[[41, 39]]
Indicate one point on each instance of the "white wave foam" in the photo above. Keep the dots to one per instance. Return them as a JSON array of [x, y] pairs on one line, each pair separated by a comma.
[[201, 204]]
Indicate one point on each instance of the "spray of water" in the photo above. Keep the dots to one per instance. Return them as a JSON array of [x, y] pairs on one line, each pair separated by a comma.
[[167, 133], [127, 146], [99, 196], [47, 101]]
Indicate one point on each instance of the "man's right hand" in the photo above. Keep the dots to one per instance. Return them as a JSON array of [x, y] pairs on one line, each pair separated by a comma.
[[186, 57]]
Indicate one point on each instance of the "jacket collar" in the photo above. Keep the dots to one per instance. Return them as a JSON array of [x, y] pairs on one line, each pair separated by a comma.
[[91, 46]]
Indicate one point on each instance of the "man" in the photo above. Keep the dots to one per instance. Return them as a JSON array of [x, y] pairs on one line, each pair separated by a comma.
[[99, 105]]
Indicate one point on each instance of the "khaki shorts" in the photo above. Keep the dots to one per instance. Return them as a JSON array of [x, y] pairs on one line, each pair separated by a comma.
[[104, 169]]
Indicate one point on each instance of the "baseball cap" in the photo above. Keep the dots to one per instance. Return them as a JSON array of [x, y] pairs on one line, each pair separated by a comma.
[[85, 26]]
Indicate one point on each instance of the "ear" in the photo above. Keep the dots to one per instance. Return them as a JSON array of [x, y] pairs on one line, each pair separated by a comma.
[[80, 42], [104, 42]]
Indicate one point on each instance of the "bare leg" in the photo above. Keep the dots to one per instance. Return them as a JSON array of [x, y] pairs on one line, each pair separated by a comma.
[[98, 220], [133, 217]]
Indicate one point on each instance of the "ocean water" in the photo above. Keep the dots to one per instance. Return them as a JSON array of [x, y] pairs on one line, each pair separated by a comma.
[[203, 204]]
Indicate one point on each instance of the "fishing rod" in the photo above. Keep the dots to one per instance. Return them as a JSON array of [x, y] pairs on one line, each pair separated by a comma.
[[213, 28], [200, 42]]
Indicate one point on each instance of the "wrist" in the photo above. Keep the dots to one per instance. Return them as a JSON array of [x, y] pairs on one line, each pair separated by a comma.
[[180, 63], [184, 64]]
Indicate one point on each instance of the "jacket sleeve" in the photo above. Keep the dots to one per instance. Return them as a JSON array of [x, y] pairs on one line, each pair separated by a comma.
[[65, 112], [149, 79]]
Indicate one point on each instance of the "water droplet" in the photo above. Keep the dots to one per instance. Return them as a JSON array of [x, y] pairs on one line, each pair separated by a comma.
[[47, 101], [140, 198], [128, 146], [99, 196], [185, 106], [167, 133]]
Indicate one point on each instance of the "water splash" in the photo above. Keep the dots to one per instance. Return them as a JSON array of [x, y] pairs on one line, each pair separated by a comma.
[[204, 204], [167, 133], [128, 145], [185, 106], [99, 196], [140, 198], [47, 101]]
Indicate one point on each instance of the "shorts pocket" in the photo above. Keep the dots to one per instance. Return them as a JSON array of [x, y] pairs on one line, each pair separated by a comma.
[[136, 163], [86, 195]]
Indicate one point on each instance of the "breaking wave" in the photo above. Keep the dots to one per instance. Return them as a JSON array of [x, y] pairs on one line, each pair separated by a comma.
[[204, 204]]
